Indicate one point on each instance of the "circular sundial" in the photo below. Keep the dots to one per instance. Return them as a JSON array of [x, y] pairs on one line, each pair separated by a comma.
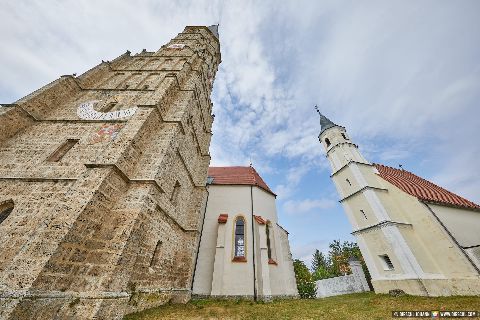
[[87, 112]]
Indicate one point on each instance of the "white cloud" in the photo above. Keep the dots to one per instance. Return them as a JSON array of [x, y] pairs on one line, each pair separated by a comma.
[[305, 251], [294, 207], [404, 79]]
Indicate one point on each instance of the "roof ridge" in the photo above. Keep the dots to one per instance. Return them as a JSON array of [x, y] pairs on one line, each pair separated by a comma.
[[238, 175]]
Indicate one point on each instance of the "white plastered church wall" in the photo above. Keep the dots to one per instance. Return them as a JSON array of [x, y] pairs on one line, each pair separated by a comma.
[[216, 274]]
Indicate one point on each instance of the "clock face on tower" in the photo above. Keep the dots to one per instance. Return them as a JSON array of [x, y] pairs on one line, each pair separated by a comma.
[[87, 112]]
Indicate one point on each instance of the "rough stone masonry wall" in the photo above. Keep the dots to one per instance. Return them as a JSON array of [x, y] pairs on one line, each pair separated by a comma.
[[113, 226], [355, 282]]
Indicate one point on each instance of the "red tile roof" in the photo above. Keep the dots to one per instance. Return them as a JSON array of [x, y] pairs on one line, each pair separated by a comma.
[[421, 188], [237, 176]]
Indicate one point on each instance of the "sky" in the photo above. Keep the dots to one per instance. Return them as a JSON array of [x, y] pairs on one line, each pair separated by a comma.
[[403, 77]]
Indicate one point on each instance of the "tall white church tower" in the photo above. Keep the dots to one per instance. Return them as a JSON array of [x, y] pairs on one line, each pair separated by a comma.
[[404, 243]]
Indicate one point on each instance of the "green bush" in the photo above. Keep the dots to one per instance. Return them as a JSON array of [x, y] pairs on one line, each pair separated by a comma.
[[306, 286]]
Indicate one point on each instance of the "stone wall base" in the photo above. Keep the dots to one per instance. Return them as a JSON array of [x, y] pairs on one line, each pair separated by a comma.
[[243, 297], [74, 307], [431, 287]]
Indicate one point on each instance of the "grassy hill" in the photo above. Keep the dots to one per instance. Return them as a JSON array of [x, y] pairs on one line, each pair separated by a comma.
[[368, 306]]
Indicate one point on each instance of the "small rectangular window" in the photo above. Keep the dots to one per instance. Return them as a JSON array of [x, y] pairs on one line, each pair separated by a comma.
[[61, 151], [108, 107], [156, 254], [175, 193], [387, 263], [5, 209], [364, 215]]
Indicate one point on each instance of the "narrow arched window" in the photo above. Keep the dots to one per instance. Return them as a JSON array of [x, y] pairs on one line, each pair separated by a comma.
[[327, 141], [345, 136], [240, 237], [269, 245], [348, 181], [5, 209]]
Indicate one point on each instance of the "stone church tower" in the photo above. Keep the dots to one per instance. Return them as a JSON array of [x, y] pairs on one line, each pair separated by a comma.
[[414, 235], [102, 179]]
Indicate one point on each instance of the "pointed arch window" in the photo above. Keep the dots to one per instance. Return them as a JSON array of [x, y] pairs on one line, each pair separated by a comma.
[[239, 238], [5, 209]]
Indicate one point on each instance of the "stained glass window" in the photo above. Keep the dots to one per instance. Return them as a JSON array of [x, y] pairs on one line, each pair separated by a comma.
[[240, 237]]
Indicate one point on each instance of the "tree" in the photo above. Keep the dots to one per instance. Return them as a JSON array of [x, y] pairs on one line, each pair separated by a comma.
[[336, 262], [318, 261], [320, 266], [306, 286]]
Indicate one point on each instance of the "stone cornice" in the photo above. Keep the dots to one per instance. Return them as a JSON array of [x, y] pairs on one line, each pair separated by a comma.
[[348, 163], [362, 189], [124, 176], [380, 225], [338, 144]]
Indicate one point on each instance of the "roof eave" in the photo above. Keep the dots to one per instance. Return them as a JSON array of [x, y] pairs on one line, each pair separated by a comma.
[[244, 185], [450, 205]]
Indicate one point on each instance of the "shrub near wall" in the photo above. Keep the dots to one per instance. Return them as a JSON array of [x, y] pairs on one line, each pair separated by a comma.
[[306, 286]]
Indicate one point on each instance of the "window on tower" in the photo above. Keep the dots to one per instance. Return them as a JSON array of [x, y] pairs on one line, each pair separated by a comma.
[[5, 209], [344, 136], [364, 215], [348, 181], [327, 141], [387, 263], [175, 193], [61, 151], [156, 254], [108, 106]]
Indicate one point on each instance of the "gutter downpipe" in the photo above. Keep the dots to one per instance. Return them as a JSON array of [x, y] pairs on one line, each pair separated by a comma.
[[253, 248]]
